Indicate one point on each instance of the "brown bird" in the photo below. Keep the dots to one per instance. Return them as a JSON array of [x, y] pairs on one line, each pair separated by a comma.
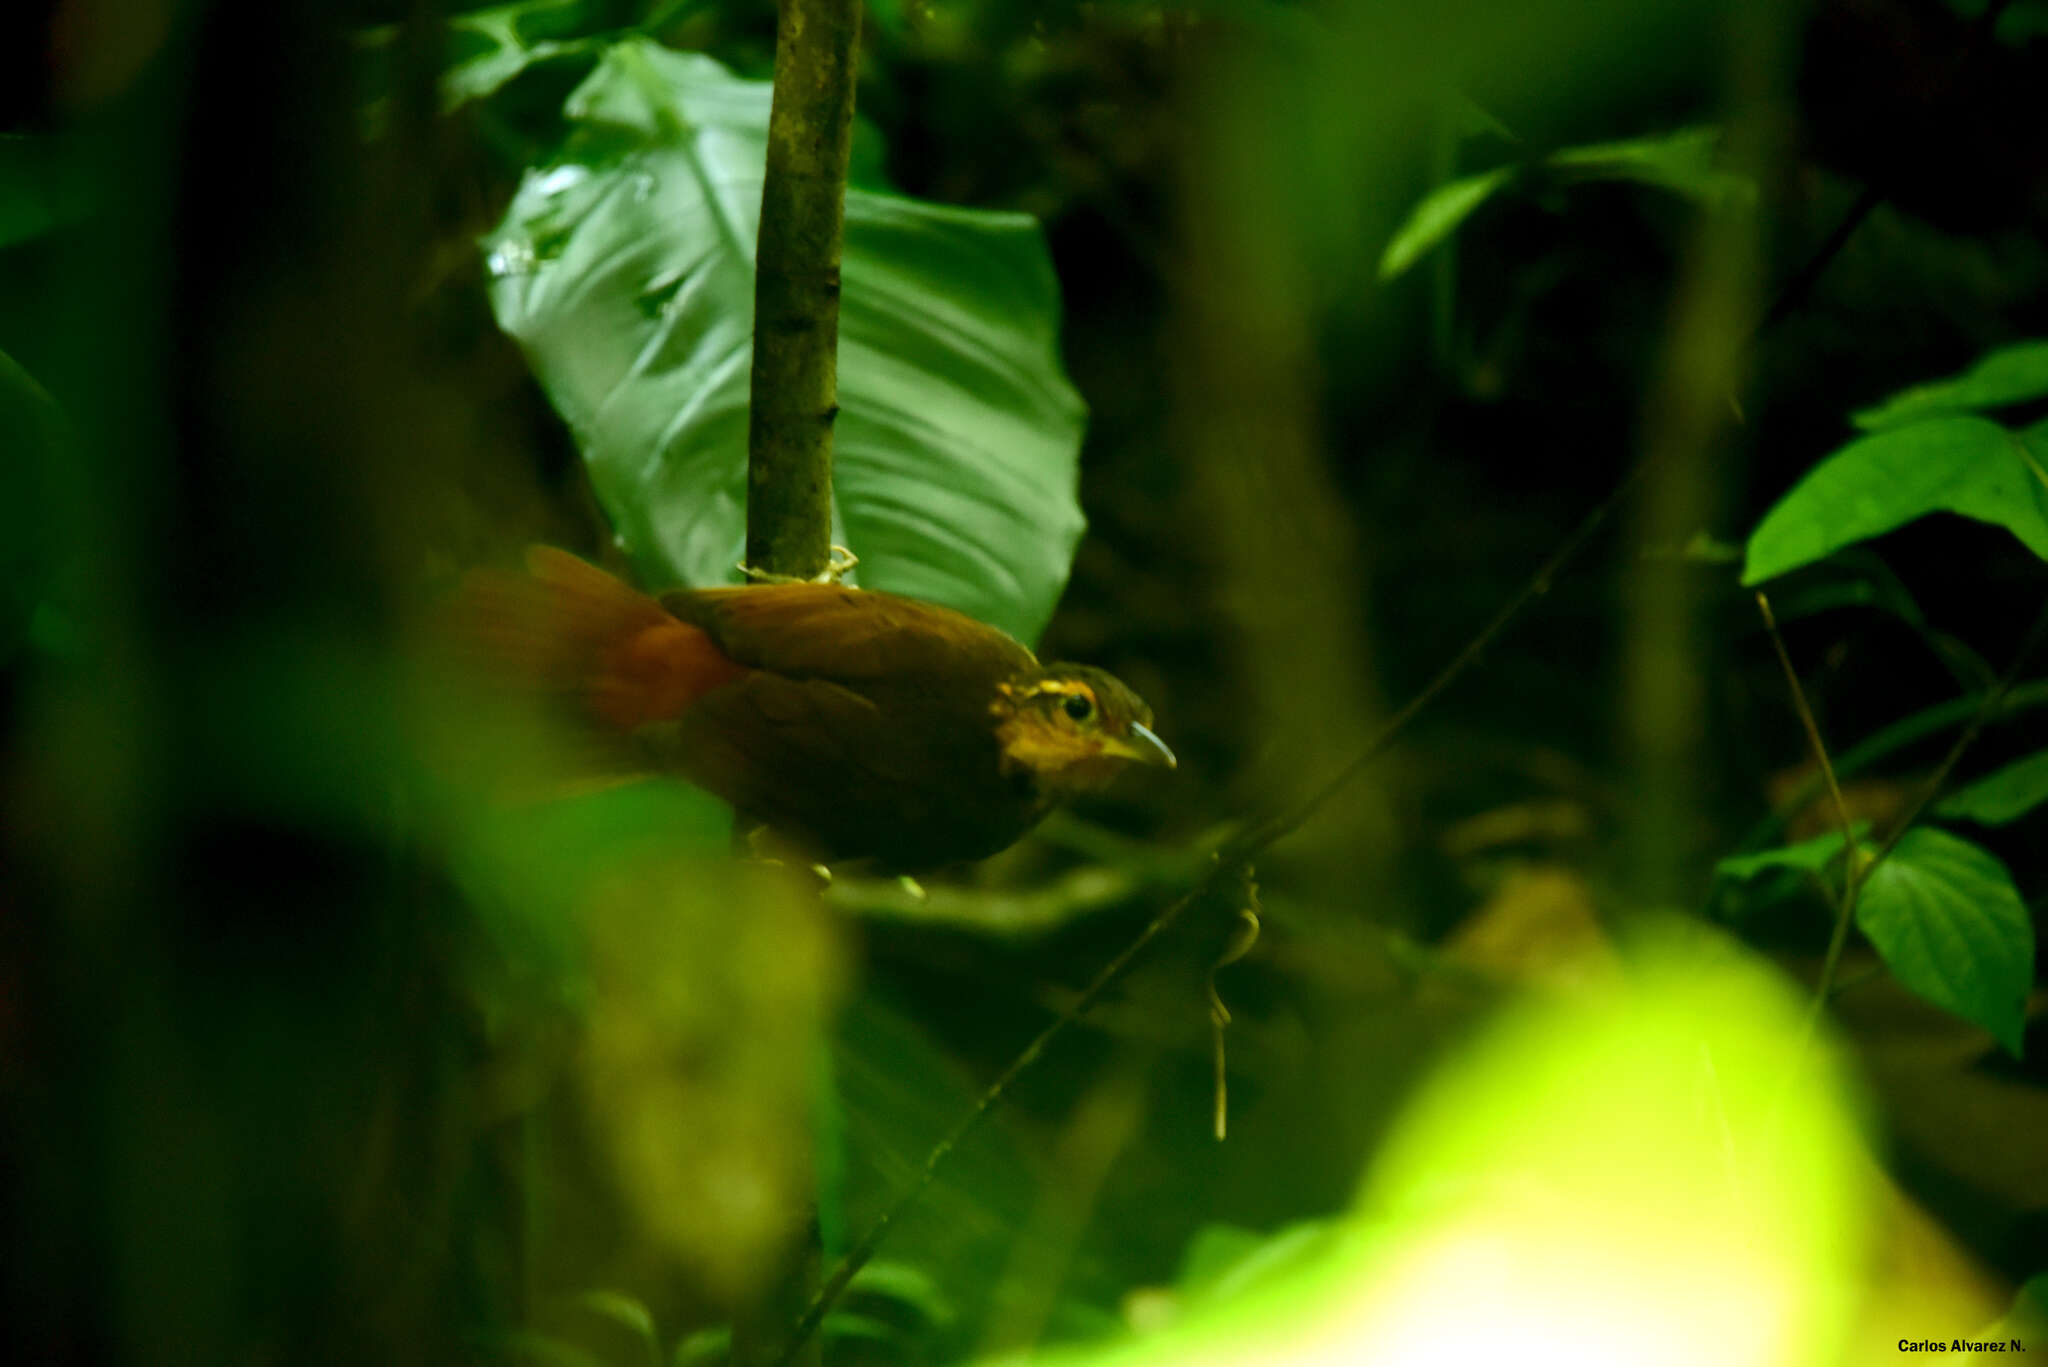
[[856, 724]]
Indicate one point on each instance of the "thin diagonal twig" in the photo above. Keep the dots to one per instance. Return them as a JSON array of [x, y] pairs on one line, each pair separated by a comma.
[[1845, 904]]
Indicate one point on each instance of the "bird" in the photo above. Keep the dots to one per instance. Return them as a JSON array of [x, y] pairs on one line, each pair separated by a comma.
[[853, 725]]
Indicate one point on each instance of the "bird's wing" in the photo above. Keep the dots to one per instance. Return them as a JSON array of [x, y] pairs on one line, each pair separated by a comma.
[[814, 759], [827, 631]]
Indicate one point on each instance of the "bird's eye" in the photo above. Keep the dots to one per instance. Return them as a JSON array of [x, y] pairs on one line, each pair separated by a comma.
[[1079, 706]]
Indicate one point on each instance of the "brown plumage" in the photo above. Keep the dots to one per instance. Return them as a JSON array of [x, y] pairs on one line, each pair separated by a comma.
[[853, 723]]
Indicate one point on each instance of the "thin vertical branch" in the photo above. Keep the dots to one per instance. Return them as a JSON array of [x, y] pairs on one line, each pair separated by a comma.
[[1845, 904], [792, 404], [795, 389]]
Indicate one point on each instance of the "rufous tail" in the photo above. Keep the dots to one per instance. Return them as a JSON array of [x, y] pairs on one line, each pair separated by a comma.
[[566, 628]]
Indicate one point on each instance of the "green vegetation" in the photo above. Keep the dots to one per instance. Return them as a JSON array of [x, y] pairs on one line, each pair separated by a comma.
[[1570, 479]]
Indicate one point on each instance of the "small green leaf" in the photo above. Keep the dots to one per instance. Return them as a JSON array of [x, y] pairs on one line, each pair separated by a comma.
[[1808, 856], [1965, 465], [2003, 797], [1437, 216], [1950, 924], [2010, 375], [1681, 162]]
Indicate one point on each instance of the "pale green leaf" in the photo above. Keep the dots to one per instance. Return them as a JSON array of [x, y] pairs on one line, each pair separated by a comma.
[[1877, 483], [2010, 375], [1949, 923], [626, 272]]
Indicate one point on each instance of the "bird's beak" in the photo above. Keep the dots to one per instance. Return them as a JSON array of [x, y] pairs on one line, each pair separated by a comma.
[[1143, 747]]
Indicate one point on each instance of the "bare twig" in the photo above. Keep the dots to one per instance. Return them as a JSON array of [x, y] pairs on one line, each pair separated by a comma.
[[1845, 905], [795, 386], [1808, 275], [1241, 943]]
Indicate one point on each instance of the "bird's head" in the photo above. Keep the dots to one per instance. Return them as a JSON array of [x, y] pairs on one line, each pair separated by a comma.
[[1074, 728]]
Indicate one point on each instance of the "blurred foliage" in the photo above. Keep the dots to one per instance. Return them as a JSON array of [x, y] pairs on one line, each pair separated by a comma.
[[1714, 1210], [2001, 798], [1681, 162], [332, 1028], [42, 187]]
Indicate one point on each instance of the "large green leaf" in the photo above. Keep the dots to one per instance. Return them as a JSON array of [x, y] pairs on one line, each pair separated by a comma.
[[626, 272], [1965, 465], [1950, 924], [2002, 797], [2010, 375]]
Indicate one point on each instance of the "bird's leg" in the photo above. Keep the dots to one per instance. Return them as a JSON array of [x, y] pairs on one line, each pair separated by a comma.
[[763, 846], [837, 568]]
